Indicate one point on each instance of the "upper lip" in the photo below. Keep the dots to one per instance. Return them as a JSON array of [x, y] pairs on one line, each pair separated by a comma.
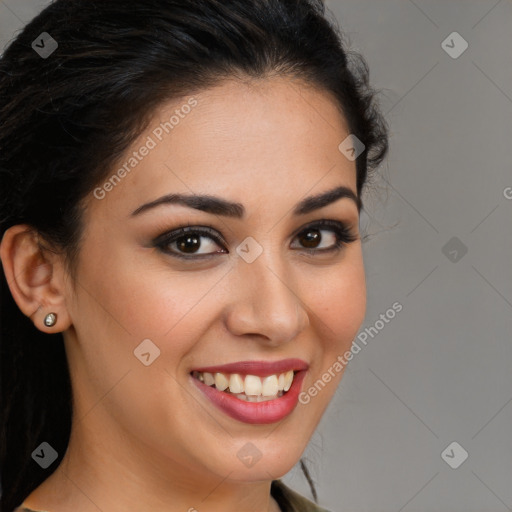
[[259, 368]]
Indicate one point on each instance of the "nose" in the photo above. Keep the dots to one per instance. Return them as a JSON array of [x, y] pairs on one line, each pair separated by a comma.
[[265, 302]]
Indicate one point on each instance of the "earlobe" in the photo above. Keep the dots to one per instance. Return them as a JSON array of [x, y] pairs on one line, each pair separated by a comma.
[[31, 279]]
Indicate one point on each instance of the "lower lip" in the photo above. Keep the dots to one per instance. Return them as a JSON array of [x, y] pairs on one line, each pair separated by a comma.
[[270, 411]]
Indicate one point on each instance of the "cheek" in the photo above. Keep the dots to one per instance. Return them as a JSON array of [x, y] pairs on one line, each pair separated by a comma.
[[338, 312], [138, 297], [341, 306]]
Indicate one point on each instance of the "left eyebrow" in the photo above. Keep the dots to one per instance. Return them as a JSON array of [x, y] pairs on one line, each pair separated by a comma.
[[219, 206]]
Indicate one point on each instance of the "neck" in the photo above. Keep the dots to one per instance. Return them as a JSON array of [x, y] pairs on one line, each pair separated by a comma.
[[132, 477]]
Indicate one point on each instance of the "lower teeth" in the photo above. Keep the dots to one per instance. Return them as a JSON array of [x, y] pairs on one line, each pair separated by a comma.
[[257, 398]]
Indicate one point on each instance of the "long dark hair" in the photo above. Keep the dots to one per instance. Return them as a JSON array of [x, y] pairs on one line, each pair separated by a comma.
[[66, 117]]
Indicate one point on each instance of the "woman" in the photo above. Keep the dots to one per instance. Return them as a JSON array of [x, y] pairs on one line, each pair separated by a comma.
[[180, 196]]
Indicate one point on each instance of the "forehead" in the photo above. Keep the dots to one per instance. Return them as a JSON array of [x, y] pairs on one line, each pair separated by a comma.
[[261, 137]]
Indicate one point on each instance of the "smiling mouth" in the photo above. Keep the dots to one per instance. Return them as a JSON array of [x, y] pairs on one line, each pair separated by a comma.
[[249, 388]]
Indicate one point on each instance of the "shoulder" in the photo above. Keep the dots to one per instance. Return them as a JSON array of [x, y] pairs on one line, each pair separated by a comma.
[[291, 501]]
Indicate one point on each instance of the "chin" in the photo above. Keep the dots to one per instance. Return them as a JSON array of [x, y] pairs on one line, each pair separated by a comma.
[[265, 458]]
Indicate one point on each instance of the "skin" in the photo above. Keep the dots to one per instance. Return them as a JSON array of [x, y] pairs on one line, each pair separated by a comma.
[[144, 437]]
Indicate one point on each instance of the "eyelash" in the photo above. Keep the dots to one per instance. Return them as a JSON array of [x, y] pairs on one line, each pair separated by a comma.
[[343, 237]]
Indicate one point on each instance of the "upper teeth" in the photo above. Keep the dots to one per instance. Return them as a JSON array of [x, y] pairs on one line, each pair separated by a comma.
[[250, 384]]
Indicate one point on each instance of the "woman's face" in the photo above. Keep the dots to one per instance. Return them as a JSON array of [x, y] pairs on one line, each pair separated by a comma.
[[250, 289]]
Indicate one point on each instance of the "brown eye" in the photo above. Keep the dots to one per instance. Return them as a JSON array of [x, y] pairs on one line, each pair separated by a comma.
[[188, 244], [199, 242], [333, 235], [311, 238], [189, 241]]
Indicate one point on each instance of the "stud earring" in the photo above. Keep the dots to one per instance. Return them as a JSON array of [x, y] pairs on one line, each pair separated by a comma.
[[50, 319]]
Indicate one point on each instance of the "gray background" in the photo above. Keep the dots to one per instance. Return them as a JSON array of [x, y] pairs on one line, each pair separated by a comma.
[[440, 370]]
